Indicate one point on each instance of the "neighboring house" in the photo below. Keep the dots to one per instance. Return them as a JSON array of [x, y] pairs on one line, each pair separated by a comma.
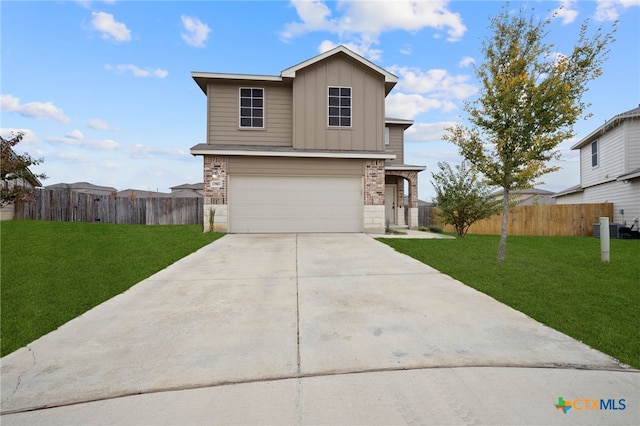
[[142, 193], [309, 150], [30, 181], [188, 190], [528, 197], [610, 168], [84, 187]]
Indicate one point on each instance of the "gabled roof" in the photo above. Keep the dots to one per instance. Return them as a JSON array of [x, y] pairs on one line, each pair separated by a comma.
[[141, 193], [29, 176], [79, 186], [608, 125], [189, 186], [390, 79], [573, 190]]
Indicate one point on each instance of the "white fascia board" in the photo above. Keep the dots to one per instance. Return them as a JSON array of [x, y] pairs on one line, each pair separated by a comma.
[[398, 121], [370, 156], [225, 76], [291, 71], [404, 167]]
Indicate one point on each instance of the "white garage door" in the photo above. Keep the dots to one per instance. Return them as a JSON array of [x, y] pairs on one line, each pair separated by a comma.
[[273, 204]]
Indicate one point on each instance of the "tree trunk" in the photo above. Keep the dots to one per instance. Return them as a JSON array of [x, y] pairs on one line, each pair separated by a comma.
[[505, 220]]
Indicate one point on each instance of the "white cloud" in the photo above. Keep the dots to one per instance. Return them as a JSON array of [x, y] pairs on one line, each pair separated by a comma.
[[97, 124], [409, 106], [37, 110], [427, 132], [439, 82], [75, 134], [138, 72], [362, 22], [315, 16], [110, 29], [196, 31], [95, 144], [610, 10], [139, 150], [29, 137], [566, 11], [467, 61]]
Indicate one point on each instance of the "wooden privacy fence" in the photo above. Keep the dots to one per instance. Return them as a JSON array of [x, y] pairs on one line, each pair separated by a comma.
[[69, 206], [545, 220]]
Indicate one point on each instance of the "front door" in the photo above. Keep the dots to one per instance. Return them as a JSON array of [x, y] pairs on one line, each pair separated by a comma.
[[390, 204]]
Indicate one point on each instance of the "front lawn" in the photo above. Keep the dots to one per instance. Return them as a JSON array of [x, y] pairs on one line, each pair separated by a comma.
[[558, 281], [52, 272]]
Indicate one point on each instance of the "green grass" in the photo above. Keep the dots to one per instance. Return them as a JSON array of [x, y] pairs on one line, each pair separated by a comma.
[[559, 281], [52, 272]]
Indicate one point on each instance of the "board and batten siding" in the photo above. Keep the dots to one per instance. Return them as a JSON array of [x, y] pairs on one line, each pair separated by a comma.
[[222, 104], [396, 143], [310, 110], [283, 166]]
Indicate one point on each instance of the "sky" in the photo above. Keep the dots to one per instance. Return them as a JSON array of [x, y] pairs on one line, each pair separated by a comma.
[[103, 89]]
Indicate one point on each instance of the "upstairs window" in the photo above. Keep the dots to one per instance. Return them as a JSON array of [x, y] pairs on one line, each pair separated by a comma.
[[251, 108], [594, 154], [339, 106], [386, 136]]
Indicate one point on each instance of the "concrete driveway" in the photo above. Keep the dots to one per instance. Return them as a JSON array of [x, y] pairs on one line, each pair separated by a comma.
[[309, 329]]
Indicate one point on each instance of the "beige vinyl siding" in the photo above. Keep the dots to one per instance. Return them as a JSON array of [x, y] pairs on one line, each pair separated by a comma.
[[222, 102], [632, 137], [623, 196], [282, 166], [311, 130], [610, 158], [396, 143]]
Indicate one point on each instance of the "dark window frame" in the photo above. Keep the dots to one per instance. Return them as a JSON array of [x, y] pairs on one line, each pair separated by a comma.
[[251, 108], [339, 107]]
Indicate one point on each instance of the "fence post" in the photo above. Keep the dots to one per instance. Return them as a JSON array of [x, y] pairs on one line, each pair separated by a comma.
[[604, 239]]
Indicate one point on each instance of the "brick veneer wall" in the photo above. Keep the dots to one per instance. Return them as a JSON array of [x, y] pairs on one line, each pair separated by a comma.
[[374, 183], [217, 164]]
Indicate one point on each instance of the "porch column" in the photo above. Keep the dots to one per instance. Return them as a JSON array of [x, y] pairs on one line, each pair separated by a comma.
[[413, 198], [400, 202]]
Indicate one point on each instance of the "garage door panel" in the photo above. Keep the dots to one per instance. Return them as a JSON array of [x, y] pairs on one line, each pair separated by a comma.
[[295, 204]]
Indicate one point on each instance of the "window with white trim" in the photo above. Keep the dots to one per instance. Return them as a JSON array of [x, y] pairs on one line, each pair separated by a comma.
[[339, 114], [386, 135], [594, 154], [251, 108]]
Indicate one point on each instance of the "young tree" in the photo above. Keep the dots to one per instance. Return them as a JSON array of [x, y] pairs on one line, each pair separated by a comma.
[[530, 98], [462, 197], [14, 171]]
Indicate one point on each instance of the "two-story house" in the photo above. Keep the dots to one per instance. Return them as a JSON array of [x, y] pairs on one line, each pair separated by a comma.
[[610, 167], [309, 150]]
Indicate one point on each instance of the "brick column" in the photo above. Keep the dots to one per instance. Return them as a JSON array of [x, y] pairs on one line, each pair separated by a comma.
[[216, 182], [373, 218], [413, 199]]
